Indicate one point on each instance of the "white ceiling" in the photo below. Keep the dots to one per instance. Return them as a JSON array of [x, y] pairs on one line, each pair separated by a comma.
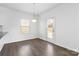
[[38, 8]]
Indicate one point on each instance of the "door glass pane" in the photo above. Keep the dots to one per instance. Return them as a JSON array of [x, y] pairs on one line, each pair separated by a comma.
[[50, 28]]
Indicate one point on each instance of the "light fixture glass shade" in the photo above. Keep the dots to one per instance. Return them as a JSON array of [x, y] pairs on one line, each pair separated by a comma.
[[34, 20]]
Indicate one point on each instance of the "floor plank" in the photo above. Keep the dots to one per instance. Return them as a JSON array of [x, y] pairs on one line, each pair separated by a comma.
[[35, 47]]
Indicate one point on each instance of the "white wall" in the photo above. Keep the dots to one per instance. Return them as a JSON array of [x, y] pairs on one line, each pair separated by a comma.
[[10, 19], [67, 21]]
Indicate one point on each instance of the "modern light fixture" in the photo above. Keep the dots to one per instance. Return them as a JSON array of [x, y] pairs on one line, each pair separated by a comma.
[[34, 20], [34, 15]]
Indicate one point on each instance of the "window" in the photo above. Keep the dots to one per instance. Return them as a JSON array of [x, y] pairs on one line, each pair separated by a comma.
[[50, 28], [24, 26]]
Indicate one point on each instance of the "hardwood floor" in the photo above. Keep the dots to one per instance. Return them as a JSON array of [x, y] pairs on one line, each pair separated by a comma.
[[35, 47]]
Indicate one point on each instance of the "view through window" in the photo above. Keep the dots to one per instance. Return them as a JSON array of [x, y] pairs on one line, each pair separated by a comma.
[[50, 28], [24, 26]]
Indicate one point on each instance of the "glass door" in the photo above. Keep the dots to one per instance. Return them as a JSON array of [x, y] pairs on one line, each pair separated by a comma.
[[50, 28]]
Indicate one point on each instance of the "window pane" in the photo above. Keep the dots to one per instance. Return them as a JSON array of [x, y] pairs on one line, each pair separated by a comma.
[[24, 26], [24, 22]]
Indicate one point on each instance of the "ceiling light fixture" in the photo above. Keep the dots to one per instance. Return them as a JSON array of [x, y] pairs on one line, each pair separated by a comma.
[[34, 15]]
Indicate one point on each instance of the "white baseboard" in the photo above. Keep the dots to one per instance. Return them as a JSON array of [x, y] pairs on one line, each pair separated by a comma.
[[19, 40], [1, 46], [61, 45]]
